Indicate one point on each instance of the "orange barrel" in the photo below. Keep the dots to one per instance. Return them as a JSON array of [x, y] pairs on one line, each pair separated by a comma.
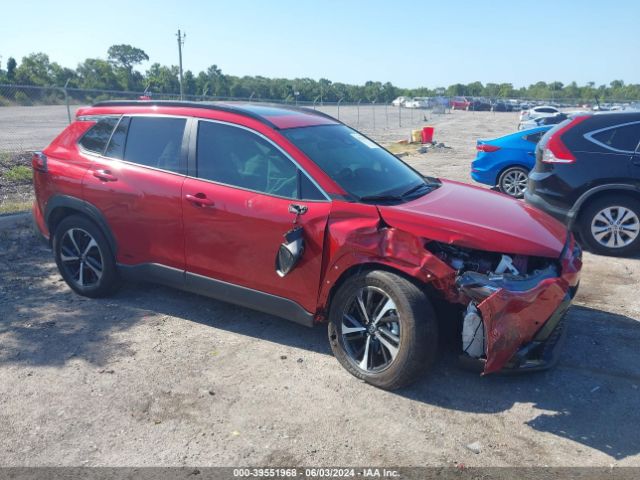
[[427, 134]]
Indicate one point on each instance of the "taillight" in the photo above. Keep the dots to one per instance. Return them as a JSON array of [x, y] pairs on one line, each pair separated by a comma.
[[483, 147], [555, 151], [39, 161]]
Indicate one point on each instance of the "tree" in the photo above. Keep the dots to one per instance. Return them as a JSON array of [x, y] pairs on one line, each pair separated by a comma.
[[163, 79], [35, 69], [11, 69], [124, 57], [97, 74]]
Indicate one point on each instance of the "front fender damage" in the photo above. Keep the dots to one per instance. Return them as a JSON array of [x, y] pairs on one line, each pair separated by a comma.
[[513, 300]]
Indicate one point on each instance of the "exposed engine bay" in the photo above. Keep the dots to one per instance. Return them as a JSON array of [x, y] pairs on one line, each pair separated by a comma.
[[479, 274]]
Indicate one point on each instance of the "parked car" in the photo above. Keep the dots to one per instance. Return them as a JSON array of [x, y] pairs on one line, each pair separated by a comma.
[[417, 102], [587, 174], [460, 103], [501, 106], [541, 121], [505, 161], [479, 105], [537, 112], [398, 102], [290, 212]]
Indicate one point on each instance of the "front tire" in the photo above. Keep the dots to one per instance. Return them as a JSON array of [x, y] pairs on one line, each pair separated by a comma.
[[513, 181], [382, 329], [84, 257], [611, 225]]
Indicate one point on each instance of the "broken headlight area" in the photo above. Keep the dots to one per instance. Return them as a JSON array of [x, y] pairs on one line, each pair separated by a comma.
[[517, 279]]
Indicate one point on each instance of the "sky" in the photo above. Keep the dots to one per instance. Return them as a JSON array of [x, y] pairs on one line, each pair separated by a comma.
[[410, 43]]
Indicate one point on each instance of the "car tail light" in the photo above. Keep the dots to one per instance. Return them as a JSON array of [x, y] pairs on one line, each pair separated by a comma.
[[483, 147], [555, 150], [39, 161]]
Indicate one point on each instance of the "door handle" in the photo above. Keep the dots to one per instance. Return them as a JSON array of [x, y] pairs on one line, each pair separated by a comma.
[[199, 200], [636, 162], [298, 209], [105, 175]]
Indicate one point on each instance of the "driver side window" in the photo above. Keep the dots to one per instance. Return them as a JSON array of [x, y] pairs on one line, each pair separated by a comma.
[[237, 157]]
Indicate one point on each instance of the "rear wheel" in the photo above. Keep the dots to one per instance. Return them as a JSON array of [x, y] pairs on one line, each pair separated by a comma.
[[611, 225], [382, 329], [513, 181], [84, 257]]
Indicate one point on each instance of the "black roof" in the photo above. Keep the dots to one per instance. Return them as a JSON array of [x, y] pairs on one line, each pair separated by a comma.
[[257, 111]]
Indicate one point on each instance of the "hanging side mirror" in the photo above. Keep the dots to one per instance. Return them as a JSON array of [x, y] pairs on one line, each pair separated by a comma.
[[290, 252]]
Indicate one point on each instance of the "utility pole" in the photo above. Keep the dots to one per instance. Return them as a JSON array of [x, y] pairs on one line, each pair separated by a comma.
[[180, 43]]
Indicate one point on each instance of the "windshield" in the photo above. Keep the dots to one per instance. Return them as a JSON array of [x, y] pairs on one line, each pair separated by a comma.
[[361, 167]]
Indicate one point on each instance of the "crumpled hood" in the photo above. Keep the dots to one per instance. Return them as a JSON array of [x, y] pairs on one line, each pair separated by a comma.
[[478, 218]]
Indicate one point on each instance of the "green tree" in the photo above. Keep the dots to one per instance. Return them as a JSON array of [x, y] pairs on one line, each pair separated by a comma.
[[35, 69], [124, 58], [97, 74], [11, 69]]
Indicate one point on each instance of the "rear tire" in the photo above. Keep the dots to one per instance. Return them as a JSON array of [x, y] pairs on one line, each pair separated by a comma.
[[399, 328], [611, 225], [84, 257], [513, 181]]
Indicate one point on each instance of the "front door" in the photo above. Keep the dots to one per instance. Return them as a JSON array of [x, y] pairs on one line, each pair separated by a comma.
[[237, 211]]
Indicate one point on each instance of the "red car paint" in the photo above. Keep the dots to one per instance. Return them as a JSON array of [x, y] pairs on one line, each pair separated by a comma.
[[231, 234]]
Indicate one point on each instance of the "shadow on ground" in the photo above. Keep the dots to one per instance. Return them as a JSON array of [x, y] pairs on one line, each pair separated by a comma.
[[592, 397]]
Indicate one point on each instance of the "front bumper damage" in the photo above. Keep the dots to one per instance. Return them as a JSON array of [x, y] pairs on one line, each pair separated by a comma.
[[522, 319]]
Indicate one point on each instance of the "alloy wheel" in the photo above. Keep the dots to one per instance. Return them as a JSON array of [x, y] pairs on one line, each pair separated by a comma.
[[615, 227], [371, 330], [514, 183], [81, 257]]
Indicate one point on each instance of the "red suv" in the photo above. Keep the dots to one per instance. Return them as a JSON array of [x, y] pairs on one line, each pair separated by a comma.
[[290, 212]]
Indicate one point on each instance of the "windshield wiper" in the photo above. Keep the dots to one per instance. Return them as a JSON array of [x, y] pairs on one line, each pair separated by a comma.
[[414, 189]]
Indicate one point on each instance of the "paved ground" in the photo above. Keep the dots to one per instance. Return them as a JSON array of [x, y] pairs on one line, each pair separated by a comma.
[[155, 376]]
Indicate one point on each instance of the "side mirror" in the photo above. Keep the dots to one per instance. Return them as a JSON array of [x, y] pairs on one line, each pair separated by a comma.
[[290, 251]]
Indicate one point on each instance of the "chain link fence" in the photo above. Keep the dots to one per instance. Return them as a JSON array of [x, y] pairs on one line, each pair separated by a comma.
[[31, 117]]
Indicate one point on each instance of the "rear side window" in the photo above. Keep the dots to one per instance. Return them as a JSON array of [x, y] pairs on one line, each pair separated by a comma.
[[623, 137], [156, 142], [96, 138], [546, 110], [235, 156], [115, 149], [534, 137]]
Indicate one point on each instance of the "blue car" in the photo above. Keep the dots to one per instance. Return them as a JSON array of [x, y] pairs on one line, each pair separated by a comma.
[[505, 162]]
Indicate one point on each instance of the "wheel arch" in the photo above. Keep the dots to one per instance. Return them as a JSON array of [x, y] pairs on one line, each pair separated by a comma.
[[597, 193], [61, 206], [367, 265]]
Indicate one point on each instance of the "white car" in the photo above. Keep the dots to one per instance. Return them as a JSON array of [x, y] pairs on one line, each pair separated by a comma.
[[417, 102], [538, 112], [399, 101]]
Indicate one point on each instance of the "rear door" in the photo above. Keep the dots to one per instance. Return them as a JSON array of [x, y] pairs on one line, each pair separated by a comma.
[[237, 210], [136, 182]]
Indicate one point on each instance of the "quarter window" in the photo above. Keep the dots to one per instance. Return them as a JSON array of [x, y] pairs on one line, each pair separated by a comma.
[[96, 138], [624, 137], [115, 149], [237, 157], [534, 137], [155, 142]]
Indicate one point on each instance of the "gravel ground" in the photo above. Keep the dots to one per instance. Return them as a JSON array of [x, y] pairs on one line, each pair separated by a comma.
[[154, 376]]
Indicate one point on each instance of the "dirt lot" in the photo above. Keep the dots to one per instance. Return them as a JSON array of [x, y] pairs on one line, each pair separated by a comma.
[[155, 376]]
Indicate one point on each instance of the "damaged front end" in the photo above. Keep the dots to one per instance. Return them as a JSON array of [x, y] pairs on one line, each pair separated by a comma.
[[514, 304]]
